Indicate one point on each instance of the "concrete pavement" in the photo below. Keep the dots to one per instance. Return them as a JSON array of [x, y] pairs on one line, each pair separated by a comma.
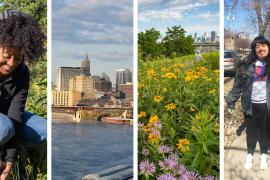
[[235, 159]]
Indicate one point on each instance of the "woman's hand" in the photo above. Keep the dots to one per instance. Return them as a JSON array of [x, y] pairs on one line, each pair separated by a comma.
[[6, 168]]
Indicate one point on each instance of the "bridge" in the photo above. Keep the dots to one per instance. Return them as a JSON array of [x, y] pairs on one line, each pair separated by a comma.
[[206, 47], [77, 111]]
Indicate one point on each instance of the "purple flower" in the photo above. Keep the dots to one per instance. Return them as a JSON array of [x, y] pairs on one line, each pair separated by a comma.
[[168, 163], [166, 177], [147, 168], [164, 149], [180, 170], [174, 157], [191, 175]]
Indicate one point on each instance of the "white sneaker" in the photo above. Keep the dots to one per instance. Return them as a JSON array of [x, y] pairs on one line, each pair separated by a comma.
[[264, 162], [249, 160]]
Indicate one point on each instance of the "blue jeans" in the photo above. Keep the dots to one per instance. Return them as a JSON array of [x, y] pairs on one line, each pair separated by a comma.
[[35, 129]]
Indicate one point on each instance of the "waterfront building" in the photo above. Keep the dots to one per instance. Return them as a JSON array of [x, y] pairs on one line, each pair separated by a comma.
[[123, 76], [64, 74], [84, 85], [60, 98], [127, 89]]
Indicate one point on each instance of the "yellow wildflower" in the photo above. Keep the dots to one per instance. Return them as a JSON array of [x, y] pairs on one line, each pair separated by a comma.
[[212, 91], [188, 78], [216, 71], [170, 106], [153, 119], [158, 98], [140, 85], [165, 69], [152, 138], [169, 75], [151, 73], [178, 65], [202, 68], [142, 114], [183, 145]]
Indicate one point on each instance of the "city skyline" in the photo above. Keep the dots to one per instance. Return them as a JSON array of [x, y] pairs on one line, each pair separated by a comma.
[[102, 28], [194, 16]]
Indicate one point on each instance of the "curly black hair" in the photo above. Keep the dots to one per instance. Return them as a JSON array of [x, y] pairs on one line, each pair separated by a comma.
[[252, 57], [23, 33]]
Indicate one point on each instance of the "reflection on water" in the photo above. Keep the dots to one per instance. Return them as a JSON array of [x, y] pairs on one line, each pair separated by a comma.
[[81, 149]]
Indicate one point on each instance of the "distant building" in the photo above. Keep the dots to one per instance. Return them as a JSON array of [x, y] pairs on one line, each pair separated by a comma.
[[123, 76], [85, 65], [205, 35], [127, 89], [83, 85], [102, 85], [213, 36], [105, 76], [195, 37], [60, 98], [64, 74]]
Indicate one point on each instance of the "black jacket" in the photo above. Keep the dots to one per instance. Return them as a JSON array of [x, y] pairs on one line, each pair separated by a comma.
[[13, 95]]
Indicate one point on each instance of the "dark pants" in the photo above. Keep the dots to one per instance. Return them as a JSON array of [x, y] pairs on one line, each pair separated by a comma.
[[257, 127]]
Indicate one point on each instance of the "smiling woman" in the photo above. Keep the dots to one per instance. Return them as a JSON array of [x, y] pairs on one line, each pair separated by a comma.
[[21, 42]]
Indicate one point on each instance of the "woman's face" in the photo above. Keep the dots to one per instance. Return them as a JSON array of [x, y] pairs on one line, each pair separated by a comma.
[[9, 60], [261, 50]]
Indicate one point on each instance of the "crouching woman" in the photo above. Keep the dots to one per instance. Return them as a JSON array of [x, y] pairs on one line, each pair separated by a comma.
[[21, 42]]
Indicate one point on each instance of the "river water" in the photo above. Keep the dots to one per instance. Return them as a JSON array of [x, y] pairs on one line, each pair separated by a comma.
[[81, 149]]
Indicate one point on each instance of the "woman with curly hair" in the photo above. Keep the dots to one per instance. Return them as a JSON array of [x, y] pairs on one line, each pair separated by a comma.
[[21, 43], [252, 83]]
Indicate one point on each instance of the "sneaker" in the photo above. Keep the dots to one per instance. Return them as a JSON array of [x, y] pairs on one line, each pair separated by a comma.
[[264, 162], [249, 160]]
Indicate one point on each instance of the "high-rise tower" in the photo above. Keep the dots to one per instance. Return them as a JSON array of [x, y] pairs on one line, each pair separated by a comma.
[[85, 65]]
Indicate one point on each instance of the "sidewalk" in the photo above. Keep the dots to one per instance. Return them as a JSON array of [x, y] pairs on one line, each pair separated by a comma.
[[234, 162]]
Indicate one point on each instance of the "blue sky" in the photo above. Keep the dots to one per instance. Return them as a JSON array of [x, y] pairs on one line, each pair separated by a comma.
[[241, 18], [193, 15], [102, 27], [238, 18]]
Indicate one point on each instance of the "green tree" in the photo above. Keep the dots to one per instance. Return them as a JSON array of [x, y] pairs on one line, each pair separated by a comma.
[[148, 44], [37, 9], [176, 43]]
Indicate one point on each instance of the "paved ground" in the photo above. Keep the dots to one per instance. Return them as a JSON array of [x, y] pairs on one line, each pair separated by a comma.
[[235, 159]]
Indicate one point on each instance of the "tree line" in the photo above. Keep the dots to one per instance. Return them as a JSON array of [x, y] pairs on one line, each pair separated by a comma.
[[175, 43]]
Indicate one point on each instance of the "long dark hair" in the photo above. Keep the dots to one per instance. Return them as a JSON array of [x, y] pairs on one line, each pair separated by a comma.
[[252, 57]]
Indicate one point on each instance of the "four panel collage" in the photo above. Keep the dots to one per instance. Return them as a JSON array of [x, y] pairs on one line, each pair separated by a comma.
[[134, 89]]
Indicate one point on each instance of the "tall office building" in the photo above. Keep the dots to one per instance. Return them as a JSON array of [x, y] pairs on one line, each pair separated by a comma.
[[85, 65], [123, 76], [213, 36], [195, 37], [64, 74], [82, 84], [205, 35]]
